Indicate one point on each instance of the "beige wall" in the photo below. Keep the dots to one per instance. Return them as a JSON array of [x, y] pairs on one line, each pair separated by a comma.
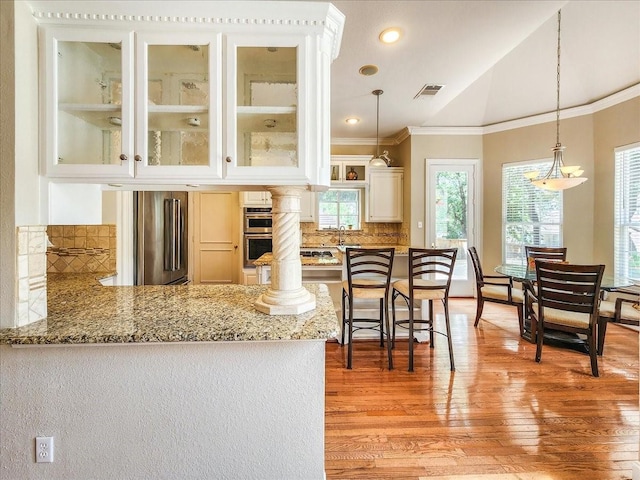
[[614, 127], [535, 143], [425, 147]]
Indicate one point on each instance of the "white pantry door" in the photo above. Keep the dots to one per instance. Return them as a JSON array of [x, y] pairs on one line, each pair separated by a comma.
[[451, 211], [216, 237]]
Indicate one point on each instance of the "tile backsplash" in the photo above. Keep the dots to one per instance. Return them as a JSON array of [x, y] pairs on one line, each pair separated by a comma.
[[370, 234], [32, 274], [81, 248]]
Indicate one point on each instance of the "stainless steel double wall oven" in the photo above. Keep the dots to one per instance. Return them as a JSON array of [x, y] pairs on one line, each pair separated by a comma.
[[257, 228]]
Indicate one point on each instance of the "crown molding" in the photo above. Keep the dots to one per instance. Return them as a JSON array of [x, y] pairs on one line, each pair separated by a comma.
[[363, 141], [321, 18], [444, 131], [589, 109]]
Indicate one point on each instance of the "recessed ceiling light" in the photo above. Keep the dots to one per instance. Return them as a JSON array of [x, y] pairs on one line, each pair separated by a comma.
[[390, 35], [352, 120], [368, 70]]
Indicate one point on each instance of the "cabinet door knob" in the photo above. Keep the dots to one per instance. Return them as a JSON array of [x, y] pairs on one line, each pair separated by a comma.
[[123, 157], [235, 246], [228, 159], [138, 158]]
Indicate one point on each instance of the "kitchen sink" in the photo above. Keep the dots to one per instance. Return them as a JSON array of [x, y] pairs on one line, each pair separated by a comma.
[[344, 246]]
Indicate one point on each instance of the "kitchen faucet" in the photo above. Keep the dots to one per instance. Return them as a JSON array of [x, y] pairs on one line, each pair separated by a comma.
[[341, 230]]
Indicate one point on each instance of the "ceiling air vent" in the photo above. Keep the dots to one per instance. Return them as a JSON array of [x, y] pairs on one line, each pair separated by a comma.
[[429, 90]]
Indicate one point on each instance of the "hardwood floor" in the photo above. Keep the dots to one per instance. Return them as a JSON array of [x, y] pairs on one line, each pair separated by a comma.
[[500, 415]]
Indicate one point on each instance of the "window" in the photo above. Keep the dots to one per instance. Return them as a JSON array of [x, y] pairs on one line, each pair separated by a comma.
[[530, 215], [339, 207], [627, 212]]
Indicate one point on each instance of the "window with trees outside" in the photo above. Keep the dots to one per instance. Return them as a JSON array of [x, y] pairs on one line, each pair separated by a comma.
[[339, 208], [627, 212], [530, 215]]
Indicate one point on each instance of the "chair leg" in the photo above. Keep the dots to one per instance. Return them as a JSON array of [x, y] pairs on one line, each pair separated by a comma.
[[448, 326], [386, 316], [602, 330], [593, 353], [533, 325], [350, 349], [394, 295], [432, 324], [479, 309], [381, 317], [344, 321], [521, 318], [539, 336], [410, 303]]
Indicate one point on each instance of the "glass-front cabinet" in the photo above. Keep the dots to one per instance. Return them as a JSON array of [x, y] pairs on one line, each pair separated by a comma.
[[191, 93], [264, 88], [88, 91], [178, 104], [350, 170], [100, 88]]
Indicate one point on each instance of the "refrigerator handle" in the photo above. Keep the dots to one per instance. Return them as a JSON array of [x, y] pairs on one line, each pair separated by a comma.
[[178, 234], [171, 234]]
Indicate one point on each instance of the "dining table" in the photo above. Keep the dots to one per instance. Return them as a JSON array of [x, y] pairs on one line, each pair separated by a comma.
[[527, 276]]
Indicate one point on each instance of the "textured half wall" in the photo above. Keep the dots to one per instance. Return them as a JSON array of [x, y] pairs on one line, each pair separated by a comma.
[[250, 410]]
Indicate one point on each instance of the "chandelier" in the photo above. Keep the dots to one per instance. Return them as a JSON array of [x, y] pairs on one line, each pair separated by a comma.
[[559, 176]]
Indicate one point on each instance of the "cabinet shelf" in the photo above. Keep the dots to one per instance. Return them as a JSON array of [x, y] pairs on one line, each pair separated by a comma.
[[161, 117], [256, 119]]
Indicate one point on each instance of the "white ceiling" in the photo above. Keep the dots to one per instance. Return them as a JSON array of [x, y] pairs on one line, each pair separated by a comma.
[[496, 58]]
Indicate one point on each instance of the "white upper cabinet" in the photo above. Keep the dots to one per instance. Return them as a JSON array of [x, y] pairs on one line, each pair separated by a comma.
[[263, 98], [88, 108], [178, 107], [110, 119], [350, 170], [191, 93], [385, 195]]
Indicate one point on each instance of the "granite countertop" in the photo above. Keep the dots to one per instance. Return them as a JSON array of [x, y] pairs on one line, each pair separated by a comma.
[[82, 311], [336, 260]]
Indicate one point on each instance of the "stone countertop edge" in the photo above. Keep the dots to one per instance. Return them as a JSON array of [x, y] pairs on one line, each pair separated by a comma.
[[82, 311]]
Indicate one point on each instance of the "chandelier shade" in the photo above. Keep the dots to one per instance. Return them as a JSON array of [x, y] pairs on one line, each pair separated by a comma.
[[559, 176]]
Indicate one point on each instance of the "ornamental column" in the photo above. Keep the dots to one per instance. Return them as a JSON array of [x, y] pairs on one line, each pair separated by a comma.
[[286, 295]]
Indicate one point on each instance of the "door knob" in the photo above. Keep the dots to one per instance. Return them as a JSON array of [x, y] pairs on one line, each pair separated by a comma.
[[228, 159], [137, 158], [123, 157]]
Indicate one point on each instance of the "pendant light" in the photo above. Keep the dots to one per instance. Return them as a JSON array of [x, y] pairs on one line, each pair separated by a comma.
[[377, 161], [559, 176]]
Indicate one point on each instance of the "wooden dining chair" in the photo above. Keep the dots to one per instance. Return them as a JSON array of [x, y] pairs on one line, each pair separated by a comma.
[[368, 278], [558, 254], [621, 306], [497, 289], [529, 289], [568, 300], [429, 278]]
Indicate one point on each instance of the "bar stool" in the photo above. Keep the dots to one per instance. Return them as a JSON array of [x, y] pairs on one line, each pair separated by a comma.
[[430, 272], [368, 277]]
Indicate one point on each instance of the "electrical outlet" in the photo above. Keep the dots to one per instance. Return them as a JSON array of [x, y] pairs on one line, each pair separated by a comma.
[[44, 449]]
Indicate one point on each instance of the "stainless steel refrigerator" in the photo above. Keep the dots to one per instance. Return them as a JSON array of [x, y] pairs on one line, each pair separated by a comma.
[[160, 238]]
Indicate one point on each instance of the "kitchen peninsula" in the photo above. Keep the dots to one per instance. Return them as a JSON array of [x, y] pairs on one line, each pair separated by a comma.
[[194, 373]]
